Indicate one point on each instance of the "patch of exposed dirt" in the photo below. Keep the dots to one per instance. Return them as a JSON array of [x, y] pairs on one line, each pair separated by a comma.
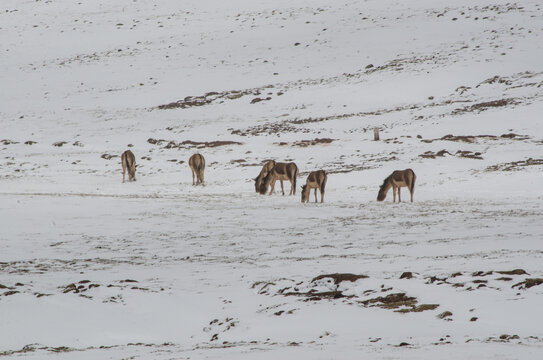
[[515, 165], [306, 143]]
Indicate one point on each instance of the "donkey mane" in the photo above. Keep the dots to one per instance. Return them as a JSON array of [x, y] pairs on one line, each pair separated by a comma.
[[385, 181]]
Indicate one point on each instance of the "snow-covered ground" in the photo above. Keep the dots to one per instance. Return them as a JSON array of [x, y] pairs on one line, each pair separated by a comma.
[[160, 269]]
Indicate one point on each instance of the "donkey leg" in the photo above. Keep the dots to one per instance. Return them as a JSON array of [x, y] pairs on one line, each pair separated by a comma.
[[282, 189], [272, 187], [315, 194], [399, 198], [192, 176]]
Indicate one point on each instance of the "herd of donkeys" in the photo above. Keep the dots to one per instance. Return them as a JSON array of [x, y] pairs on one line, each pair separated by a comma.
[[273, 171]]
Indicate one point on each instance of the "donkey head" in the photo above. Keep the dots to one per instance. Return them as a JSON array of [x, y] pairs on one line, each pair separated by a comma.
[[305, 193]]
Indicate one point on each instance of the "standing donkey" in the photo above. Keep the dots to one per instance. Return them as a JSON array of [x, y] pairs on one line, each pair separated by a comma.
[[396, 180], [268, 166], [197, 165], [281, 171], [128, 161], [315, 180]]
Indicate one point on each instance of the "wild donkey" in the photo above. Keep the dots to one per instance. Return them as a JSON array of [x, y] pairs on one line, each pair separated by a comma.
[[396, 180], [197, 165], [128, 161], [315, 180], [281, 171], [268, 166]]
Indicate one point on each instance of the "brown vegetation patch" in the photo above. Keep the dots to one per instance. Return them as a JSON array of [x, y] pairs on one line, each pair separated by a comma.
[[528, 283], [108, 156], [338, 278], [513, 272], [460, 153], [306, 143], [391, 301], [60, 143], [515, 165], [187, 144], [313, 295], [268, 128], [433, 155], [419, 308], [257, 99], [469, 154], [30, 142], [406, 275], [486, 105], [342, 168], [445, 315], [471, 139], [8, 142], [208, 98]]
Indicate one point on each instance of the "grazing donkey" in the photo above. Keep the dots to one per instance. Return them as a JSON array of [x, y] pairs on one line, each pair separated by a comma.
[[396, 180], [315, 180], [268, 166], [128, 161], [197, 164], [281, 171]]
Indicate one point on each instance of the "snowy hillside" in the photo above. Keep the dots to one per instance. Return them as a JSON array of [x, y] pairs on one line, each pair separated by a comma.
[[91, 267]]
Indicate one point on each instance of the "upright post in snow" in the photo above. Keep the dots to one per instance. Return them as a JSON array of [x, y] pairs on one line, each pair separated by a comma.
[[376, 134]]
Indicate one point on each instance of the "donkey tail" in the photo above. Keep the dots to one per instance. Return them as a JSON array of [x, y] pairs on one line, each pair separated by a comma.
[[323, 185], [412, 188], [201, 166], [127, 163], [295, 176]]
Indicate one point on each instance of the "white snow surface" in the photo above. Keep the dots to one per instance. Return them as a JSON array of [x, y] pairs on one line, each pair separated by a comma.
[[93, 268]]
